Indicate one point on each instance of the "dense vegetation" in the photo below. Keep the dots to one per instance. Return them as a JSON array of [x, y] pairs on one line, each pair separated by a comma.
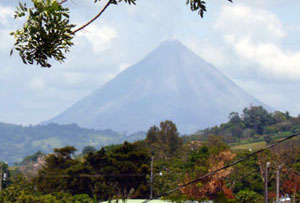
[[254, 125], [123, 171], [18, 141]]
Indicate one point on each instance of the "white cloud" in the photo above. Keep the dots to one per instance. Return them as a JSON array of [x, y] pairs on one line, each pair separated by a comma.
[[123, 66], [36, 83], [100, 37], [7, 25], [6, 41], [257, 24], [257, 39], [272, 61], [273, 3], [6, 13]]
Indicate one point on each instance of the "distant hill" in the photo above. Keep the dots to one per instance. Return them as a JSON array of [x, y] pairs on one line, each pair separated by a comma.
[[19, 141], [254, 125], [170, 83]]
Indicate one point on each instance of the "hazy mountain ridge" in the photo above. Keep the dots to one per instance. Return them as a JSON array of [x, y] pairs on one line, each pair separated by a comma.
[[170, 83], [18, 141]]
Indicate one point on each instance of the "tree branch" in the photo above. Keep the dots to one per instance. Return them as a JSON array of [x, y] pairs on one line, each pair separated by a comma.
[[62, 1], [93, 19]]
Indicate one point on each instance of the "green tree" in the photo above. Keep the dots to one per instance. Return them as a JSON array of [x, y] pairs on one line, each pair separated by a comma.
[[152, 135], [164, 142], [234, 118], [279, 116], [61, 173], [32, 158], [167, 176], [246, 175], [247, 196], [169, 134], [48, 33], [21, 192], [130, 165], [5, 174], [257, 118], [216, 144], [121, 172], [209, 157], [88, 149]]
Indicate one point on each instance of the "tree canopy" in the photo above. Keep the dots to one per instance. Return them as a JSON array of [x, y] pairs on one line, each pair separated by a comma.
[[120, 172], [47, 32], [123, 171], [164, 142]]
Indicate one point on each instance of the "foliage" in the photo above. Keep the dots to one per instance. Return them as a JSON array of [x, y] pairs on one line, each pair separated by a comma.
[[256, 124], [119, 173], [247, 173], [88, 149], [247, 196], [16, 194], [287, 158], [5, 175], [32, 158], [216, 144], [168, 175], [124, 170], [164, 142], [46, 34], [207, 159], [222, 198], [57, 173], [256, 117], [22, 190]]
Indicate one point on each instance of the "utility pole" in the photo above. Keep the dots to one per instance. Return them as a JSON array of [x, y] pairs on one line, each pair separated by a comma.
[[151, 178], [1, 174], [277, 183], [266, 182]]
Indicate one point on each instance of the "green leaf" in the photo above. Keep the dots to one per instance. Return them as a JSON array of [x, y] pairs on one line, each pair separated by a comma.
[[40, 39]]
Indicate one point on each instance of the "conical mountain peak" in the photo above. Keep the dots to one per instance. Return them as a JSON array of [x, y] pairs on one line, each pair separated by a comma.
[[171, 55], [171, 47], [172, 44], [170, 83]]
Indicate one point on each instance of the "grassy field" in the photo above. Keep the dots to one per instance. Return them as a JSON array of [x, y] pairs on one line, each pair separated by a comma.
[[252, 146]]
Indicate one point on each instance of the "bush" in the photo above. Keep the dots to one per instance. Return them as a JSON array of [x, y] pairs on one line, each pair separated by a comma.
[[246, 196]]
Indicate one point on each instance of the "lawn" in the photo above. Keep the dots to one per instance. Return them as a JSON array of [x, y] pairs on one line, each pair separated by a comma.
[[252, 146]]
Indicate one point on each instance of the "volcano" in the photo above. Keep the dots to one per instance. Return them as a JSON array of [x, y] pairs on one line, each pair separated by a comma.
[[170, 83]]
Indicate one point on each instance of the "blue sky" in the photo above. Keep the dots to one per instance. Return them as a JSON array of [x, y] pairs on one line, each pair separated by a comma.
[[254, 42]]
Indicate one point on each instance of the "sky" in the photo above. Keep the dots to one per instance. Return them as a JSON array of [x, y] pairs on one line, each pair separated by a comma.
[[254, 42]]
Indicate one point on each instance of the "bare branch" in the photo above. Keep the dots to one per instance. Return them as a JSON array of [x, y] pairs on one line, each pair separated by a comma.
[[63, 1], [93, 19]]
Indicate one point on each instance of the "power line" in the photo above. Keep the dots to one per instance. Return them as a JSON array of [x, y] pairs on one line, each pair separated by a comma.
[[223, 168], [94, 175]]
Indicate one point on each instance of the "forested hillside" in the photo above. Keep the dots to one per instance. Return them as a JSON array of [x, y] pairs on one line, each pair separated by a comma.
[[255, 124], [18, 141]]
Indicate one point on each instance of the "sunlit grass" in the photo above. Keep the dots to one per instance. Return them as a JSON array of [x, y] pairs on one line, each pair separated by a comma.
[[252, 146]]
